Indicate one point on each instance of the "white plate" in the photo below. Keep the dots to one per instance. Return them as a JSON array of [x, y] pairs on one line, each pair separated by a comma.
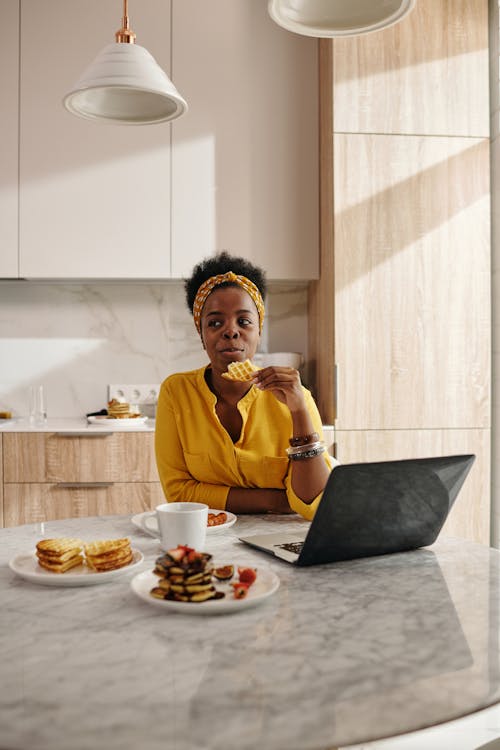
[[27, 567], [112, 424], [231, 519], [266, 584]]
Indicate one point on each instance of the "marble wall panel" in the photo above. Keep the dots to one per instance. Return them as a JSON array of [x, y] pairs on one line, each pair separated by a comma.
[[75, 338]]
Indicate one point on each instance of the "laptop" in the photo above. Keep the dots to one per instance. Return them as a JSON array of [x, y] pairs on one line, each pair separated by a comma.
[[372, 509]]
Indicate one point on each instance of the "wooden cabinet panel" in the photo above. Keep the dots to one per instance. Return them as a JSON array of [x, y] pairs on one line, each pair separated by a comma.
[[412, 282], [427, 74], [245, 157], [94, 197], [1, 485], [9, 95], [470, 515], [34, 503], [50, 457]]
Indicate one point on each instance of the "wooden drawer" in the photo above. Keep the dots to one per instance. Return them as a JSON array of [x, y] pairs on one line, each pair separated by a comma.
[[34, 503], [62, 457]]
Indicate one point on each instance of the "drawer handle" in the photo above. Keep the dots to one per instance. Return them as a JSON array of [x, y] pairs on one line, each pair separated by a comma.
[[84, 434], [76, 485]]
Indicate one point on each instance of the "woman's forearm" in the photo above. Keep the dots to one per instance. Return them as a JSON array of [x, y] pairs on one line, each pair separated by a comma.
[[309, 475], [243, 500]]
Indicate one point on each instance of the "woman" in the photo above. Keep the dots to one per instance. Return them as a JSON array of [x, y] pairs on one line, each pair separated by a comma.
[[248, 447]]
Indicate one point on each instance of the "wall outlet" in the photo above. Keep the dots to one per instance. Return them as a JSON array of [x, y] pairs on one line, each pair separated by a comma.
[[143, 393]]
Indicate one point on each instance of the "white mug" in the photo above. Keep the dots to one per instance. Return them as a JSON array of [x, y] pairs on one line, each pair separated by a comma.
[[178, 523]]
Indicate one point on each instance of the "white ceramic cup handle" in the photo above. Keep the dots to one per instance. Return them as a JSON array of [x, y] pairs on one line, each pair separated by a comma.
[[149, 523]]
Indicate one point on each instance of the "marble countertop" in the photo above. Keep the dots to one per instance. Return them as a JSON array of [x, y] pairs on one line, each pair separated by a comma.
[[70, 424], [340, 654]]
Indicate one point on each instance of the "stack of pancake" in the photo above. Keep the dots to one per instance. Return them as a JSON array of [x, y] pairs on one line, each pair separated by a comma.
[[119, 410], [185, 575], [59, 555], [108, 554]]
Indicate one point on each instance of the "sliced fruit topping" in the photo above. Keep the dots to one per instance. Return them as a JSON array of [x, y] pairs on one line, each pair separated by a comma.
[[240, 590], [224, 573], [247, 575]]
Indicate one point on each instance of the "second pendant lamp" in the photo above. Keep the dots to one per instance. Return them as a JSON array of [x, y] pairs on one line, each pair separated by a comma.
[[125, 84], [337, 18]]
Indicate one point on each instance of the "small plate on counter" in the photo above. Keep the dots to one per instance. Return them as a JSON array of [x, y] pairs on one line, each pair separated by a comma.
[[111, 423], [27, 567], [214, 525]]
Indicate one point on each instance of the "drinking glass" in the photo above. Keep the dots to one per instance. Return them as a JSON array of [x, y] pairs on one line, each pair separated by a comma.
[[37, 406]]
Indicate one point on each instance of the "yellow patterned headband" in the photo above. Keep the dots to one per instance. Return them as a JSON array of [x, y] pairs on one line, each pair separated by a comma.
[[221, 278]]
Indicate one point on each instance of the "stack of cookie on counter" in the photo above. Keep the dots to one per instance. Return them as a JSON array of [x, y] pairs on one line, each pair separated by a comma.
[[120, 410]]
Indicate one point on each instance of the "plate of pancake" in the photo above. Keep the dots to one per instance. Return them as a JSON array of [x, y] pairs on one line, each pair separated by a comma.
[[66, 561], [266, 584]]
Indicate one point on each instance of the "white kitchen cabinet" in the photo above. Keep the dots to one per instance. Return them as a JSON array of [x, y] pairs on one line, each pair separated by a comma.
[[9, 76], [245, 157], [94, 197]]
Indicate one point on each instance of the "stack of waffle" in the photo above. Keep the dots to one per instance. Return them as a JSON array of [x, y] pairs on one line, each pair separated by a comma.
[[240, 371], [108, 554], [120, 410], [185, 575], [59, 555]]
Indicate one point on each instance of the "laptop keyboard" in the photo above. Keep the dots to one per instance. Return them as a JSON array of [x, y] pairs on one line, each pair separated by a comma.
[[291, 547]]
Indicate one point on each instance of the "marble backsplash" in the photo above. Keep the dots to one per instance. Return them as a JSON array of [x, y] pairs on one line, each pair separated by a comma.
[[75, 338]]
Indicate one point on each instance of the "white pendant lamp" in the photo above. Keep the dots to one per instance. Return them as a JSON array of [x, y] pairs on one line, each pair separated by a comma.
[[337, 18], [124, 84]]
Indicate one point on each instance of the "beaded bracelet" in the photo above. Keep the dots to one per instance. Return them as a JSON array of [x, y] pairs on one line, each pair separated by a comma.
[[302, 448], [303, 440], [307, 454]]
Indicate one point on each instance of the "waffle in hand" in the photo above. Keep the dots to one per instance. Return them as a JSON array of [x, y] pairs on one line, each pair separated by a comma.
[[241, 371]]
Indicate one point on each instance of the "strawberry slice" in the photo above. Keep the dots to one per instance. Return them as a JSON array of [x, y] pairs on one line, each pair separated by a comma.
[[179, 552], [240, 590], [247, 575]]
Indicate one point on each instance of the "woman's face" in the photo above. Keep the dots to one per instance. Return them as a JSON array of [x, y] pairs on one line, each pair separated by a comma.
[[229, 327]]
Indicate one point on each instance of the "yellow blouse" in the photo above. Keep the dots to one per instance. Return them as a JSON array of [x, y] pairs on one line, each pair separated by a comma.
[[198, 461]]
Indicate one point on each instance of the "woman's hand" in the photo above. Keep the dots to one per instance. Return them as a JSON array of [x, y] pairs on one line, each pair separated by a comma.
[[284, 383]]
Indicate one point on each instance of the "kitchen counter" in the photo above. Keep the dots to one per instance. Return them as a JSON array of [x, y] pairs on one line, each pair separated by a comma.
[[70, 425], [339, 654]]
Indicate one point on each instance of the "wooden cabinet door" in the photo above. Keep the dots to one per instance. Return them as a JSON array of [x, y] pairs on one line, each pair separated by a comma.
[[35, 503], [94, 196], [412, 282], [52, 457], [9, 151], [428, 74], [245, 157], [1, 485]]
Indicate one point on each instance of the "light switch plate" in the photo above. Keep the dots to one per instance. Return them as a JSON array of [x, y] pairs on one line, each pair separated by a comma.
[[135, 393]]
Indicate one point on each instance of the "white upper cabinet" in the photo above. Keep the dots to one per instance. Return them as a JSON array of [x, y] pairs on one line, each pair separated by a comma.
[[245, 156], [94, 197], [9, 77], [99, 200]]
